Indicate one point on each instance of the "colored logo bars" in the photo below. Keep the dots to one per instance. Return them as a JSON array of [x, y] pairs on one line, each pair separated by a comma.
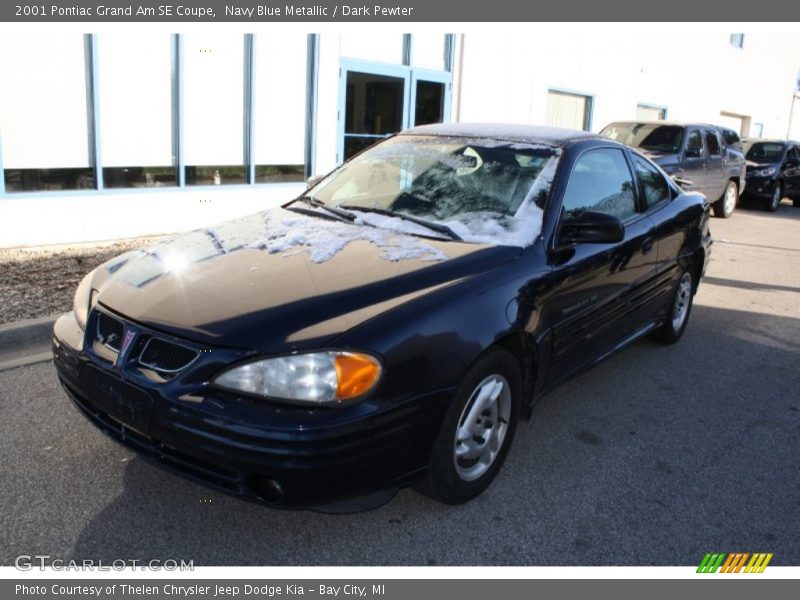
[[733, 562]]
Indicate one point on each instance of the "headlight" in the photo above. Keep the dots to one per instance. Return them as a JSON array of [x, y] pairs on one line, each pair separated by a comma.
[[315, 378], [768, 172], [81, 302]]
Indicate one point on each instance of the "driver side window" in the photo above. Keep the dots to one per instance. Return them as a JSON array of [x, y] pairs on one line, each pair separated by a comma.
[[600, 182], [694, 144]]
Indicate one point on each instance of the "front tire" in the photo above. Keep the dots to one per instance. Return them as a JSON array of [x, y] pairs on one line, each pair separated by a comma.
[[680, 309], [775, 201], [477, 430], [724, 207]]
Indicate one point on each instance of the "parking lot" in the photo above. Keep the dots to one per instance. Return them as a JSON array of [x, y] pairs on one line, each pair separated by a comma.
[[655, 457]]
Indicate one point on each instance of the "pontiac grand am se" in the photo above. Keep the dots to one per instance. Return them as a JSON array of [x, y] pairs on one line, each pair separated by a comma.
[[394, 323]]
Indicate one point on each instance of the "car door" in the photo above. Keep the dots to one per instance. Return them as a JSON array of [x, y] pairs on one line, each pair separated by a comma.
[[593, 305], [716, 179], [669, 230], [694, 163], [791, 173]]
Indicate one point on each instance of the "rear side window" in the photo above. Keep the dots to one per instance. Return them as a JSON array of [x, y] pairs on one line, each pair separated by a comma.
[[731, 138], [600, 182], [713, 143], [654, 186], [694, 144]]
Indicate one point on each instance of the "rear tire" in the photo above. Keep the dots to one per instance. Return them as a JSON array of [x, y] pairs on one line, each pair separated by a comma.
[[680, 309], [775, 200], [477, 430], [725, 206]]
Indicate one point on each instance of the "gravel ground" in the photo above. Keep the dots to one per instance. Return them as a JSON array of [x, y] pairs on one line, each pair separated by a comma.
[[36, 282]]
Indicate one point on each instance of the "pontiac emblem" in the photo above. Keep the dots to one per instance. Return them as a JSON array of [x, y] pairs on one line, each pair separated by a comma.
[[125, 343]]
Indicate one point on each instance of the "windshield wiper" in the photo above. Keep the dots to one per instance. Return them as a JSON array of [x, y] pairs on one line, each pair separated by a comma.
[[437, 227], [317, 203]]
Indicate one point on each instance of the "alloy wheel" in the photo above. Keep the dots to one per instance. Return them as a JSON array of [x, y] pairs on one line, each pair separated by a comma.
[[730, 199], [482, 427], [683, 297]]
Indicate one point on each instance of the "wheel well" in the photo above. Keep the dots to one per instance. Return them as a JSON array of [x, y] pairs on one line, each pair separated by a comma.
[[698, 260], [523, 350]]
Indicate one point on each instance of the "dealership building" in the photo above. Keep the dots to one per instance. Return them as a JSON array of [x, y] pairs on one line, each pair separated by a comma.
[[114, 135]]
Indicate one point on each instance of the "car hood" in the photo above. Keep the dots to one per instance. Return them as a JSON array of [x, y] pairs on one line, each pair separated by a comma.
[[278, 280]]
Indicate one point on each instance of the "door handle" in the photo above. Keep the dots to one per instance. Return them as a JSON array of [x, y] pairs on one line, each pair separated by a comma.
[[648, 245]]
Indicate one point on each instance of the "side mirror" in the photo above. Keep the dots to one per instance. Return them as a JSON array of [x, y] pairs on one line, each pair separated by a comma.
[[694, 152], [591, 228], [314, 180]]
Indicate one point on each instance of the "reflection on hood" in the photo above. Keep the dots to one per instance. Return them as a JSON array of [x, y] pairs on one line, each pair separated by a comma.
[[276, 232]]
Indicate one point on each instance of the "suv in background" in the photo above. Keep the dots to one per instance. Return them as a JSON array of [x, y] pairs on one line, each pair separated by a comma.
[[696, 155], [773, 171]]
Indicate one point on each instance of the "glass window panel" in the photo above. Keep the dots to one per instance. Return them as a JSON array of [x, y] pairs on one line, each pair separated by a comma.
[[373, 109], [694, 143], [429, 104], [135, 84], [213, 108], [654, 185], [279, 111], [601, 182], [713, 143], [44, 112], [381, 47], [427, 50]]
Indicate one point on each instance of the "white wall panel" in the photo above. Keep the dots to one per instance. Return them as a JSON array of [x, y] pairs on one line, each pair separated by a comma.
[[135, 92], [213, 99], [43, 106]]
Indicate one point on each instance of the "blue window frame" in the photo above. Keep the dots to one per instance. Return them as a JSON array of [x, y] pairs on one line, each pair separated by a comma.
[[376, 100]]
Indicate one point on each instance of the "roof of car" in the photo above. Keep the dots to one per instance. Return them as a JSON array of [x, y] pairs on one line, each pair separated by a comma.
[[769, 140], [671, 123], [529, 134]]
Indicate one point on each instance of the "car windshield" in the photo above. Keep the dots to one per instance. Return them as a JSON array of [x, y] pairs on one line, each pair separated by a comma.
[[647, 136], [764, 152], [485, 191]]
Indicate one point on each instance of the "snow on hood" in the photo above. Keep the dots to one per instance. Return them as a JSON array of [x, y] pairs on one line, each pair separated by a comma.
[[280, 232]]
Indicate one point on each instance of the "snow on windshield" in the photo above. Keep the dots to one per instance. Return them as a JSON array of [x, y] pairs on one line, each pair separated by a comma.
[[486, 191]]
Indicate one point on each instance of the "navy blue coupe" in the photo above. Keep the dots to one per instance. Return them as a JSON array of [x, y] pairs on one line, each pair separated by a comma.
[[393, 324]]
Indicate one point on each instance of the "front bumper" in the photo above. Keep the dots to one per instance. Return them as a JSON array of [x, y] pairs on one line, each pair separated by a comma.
[[270, 453], [760, 187]]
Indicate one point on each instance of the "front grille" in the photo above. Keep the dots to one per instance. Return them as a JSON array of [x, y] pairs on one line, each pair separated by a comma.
[[166, 357], [110, 331], [153, 450]]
